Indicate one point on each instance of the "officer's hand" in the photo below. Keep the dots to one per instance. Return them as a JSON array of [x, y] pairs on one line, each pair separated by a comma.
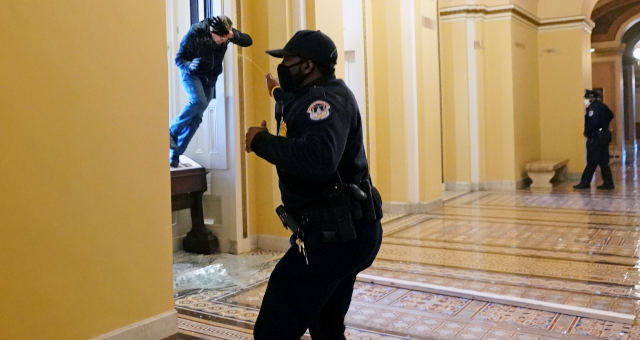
[[271, 83], [195, 63], [251, 132]]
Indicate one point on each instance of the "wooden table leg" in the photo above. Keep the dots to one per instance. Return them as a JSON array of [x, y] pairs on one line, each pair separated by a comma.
[[199, 240]]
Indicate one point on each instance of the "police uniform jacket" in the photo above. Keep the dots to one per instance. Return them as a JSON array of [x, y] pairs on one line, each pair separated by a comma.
[[198, 43], [596, 119], [320, 133]]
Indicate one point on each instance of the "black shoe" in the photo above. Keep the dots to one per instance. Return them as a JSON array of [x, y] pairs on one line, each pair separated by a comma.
[[174, 163], [606, 186], [582, 186]]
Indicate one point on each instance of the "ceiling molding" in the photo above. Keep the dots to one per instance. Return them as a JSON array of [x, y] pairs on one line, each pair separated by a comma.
[[506, 12]]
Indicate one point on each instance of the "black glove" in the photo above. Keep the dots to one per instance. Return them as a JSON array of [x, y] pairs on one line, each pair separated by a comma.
[[220, 25], [194, 65]]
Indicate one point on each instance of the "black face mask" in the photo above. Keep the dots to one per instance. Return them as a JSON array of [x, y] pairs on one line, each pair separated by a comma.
[[289, 82]]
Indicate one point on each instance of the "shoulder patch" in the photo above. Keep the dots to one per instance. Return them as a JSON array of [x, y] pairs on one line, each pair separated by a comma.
[[319, 110], [590, 113]]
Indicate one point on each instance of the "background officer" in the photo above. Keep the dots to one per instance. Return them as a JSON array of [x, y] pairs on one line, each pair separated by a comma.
[[323, 172], [596, 129], [200, 62]]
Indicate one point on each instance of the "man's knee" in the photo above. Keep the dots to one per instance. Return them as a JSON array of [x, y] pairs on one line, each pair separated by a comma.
[[198, 105]]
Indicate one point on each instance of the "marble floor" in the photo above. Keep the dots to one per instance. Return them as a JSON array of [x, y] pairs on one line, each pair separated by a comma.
[[561, 264]]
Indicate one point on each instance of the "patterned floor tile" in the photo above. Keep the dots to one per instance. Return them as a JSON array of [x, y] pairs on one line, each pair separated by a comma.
[[564, 247]]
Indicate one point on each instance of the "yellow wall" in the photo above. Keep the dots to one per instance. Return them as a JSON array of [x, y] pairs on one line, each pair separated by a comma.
[[270, 31], [455, 101], [328, 19], [607, 74], [525, 93], [498, 119], [563, 78], [86, 244], [391, 149], [565, 8], [428, 83]]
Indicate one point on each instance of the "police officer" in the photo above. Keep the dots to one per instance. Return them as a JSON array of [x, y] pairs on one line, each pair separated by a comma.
[[325, 188], [200, 62], [596, 129]]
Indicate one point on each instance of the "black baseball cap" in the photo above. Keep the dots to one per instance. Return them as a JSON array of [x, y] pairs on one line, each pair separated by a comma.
[[591, 94], [312, 45]]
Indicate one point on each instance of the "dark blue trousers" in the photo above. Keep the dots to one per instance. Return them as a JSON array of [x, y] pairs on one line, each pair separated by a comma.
[[597, 155], [317, 296]]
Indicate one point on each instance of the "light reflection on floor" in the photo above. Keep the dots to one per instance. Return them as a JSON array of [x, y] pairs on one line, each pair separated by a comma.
[[563, 248]]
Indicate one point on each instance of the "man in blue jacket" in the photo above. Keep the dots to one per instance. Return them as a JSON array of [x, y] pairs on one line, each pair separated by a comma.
[[200, 61]]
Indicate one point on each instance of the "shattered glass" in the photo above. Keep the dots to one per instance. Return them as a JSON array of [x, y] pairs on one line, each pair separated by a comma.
[[196, 272]]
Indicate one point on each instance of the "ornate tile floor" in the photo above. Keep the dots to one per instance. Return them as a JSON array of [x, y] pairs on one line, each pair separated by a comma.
[[512, 265]]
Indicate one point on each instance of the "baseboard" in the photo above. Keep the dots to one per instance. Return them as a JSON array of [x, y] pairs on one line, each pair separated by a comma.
[[411, 208], [157, 327], [276, 243], [243, 245], [456, 186], [573, 176], [499, 185]]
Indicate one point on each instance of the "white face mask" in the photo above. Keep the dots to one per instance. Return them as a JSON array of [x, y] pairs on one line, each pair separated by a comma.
[[587, 103]]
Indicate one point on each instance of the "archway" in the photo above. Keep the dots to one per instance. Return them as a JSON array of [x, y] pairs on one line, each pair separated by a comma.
[[615, 36]]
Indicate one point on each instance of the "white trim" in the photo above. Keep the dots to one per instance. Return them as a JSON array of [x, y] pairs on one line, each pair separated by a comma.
[[456, 186], [587, 26], [523, 21], [302, 14], [156, 327], [270, 242], [411, 208], [499, 185], [496, 13], [411, 101], [474, 136], [444, 11], [625, 27], [500, 298], [461, 17]]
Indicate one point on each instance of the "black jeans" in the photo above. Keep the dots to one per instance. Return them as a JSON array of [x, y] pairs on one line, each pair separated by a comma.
[[598, 155], [317, 296]]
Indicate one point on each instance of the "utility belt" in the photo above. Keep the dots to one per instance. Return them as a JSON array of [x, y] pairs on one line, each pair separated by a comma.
[[600, 132], [343, 205]]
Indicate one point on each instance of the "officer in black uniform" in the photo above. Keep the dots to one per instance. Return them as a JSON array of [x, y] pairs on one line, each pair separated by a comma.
[[326, 190], [596, 129]]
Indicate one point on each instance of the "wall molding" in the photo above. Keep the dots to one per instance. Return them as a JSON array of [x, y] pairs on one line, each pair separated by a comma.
[[276, 243], [499, 185], [411, 208], [514, 12], [156, 327]]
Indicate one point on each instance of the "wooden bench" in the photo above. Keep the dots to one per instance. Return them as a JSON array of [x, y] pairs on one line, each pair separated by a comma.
[[542, 172]]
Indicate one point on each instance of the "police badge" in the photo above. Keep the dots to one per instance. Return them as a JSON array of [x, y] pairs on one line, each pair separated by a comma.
[[318, 110]]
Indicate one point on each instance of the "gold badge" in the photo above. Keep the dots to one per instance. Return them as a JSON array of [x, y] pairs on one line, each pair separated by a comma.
[[283, 129]]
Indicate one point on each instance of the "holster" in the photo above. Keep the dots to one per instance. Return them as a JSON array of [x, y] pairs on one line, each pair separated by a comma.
[[330, 221], [369, 208], [343, 206]]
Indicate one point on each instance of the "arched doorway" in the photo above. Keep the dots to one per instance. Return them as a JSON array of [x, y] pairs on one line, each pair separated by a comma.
[[615, 36]]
